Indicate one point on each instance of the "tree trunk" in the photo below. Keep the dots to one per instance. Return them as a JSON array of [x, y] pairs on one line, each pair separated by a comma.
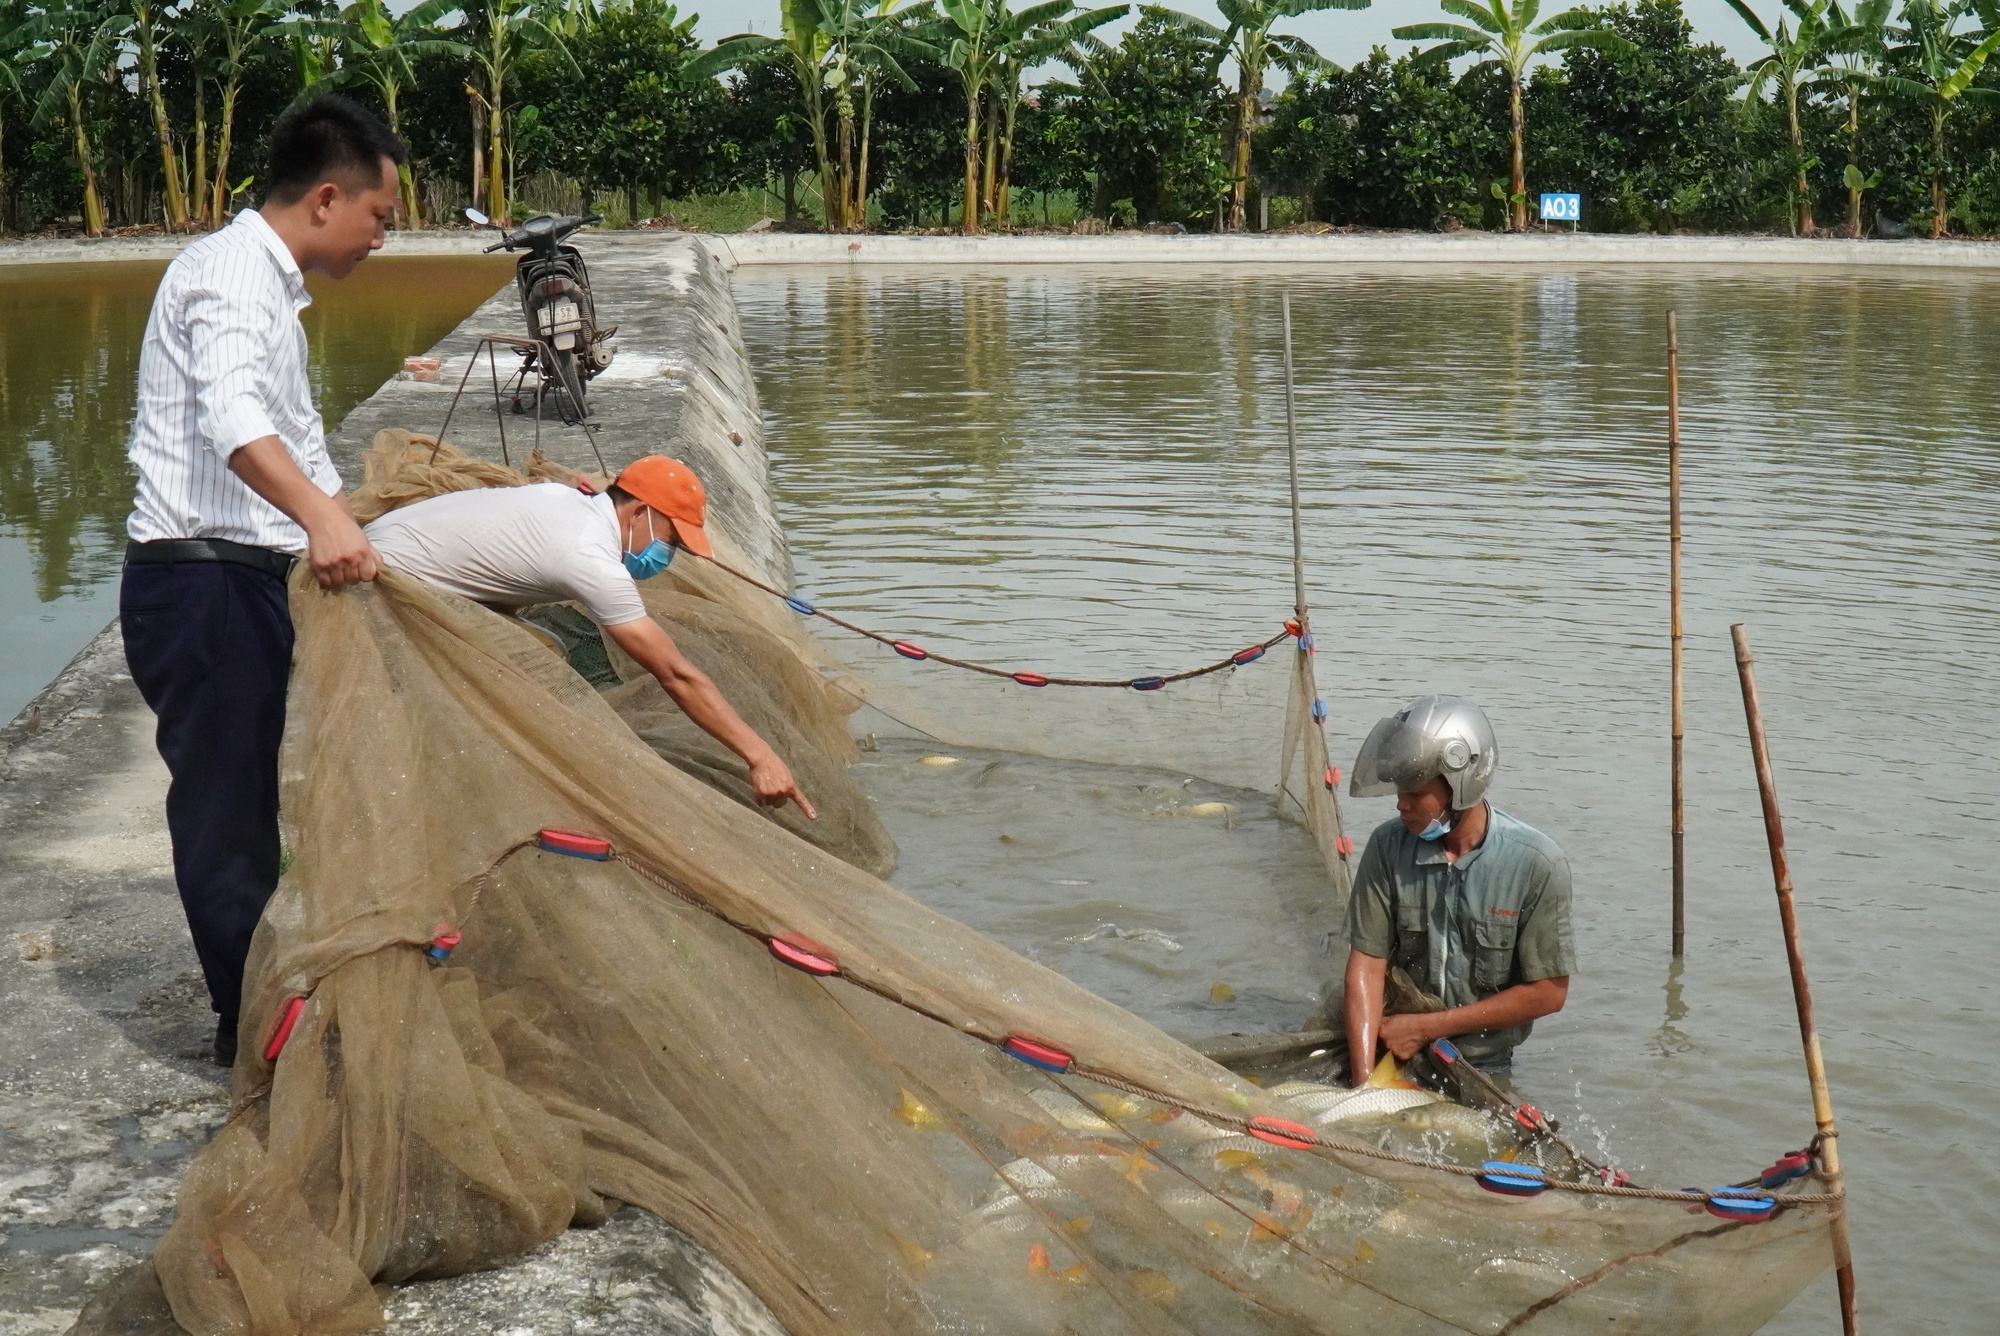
[[219, 193], [1854, 161], [3, 169], [149, 87], [988, 203], [478, 150], [1004, 203], [1940, 222], [412, 212], [93, 204], [791, 179], [1239, 165], [816, 115], [1517, 189], [496, 163], [969, 223], [199, 205], [844, 186], [859, 213], [1799, 159]]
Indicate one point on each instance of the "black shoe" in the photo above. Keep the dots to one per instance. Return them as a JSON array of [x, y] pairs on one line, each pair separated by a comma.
[[225, 1041]]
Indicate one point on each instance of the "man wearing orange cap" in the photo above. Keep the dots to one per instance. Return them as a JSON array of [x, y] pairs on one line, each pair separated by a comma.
[[546, 543]]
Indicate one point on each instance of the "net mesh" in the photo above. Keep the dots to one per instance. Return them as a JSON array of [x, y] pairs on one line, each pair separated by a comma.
[[858, 1148]]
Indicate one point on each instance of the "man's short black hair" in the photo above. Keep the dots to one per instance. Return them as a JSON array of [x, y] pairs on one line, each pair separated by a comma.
[[328, 138]]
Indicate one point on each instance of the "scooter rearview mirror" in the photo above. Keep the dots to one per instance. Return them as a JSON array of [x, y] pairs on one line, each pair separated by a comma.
[[478, 217]]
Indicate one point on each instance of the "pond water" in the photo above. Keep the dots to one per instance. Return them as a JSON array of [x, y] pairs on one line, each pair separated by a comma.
[[69, 359], [1083, 472]]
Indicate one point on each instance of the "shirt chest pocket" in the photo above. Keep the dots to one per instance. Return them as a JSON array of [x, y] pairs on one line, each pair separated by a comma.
[[1493, 954], [1412, 937]]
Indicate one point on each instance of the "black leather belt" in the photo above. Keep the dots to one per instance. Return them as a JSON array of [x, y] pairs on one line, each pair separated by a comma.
[[167, 551]]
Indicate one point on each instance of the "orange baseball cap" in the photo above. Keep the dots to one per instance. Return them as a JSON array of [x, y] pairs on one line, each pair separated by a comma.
[[670, 487]]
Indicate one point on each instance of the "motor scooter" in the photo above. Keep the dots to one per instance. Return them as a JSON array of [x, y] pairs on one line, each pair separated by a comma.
[[570, 350]]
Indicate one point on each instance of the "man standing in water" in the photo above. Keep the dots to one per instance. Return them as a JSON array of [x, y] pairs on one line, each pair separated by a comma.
[[1470, 904], [509, 547], [234, 484]]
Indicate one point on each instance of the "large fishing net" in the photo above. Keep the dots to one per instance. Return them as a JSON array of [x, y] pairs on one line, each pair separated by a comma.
[[879, 1119]]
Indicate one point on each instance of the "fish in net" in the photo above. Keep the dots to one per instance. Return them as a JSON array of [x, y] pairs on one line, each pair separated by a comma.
[[879, 1119]]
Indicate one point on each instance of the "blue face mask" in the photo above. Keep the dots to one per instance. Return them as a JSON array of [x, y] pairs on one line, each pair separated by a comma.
[[1436, 830], [651, 559]]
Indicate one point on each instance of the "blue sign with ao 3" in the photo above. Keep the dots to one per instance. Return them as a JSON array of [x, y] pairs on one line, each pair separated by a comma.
[[1562, 208]]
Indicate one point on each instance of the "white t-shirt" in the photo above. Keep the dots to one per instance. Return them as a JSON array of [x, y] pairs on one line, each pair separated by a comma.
[[512, 546]]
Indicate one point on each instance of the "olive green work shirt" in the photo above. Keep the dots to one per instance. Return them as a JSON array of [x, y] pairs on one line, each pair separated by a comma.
[[1497, 917]]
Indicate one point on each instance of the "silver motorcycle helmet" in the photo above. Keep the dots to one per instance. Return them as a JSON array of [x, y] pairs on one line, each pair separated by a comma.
[[1432, 736]]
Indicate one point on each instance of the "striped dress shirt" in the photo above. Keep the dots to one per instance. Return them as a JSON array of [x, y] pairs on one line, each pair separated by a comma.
[[223, 364]]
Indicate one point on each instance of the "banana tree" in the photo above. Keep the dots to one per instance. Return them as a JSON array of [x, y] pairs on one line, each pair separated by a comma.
[[235, 25], [1507, 35], [1860, 48], [1935, 65], [1250, 40], [1024, 43], [145, 18], [866, 42], [965, 43], [502, 32], [10, 87], [80, 46], [377, 47], [1795, 60], [805, 51]]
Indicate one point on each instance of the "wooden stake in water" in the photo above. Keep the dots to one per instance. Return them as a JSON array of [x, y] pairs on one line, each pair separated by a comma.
[[1292, 449], [1674, 624], [1788, 916]]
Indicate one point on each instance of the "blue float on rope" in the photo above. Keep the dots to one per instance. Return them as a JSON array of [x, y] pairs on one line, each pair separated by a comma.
[[1740, 1204], [1306, 643], [1319, 711], [1243, 656], [1148, 683], [800, 606], [1445, 1049], [1513, 1180]]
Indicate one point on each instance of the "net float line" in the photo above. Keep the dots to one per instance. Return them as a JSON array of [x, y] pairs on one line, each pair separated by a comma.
[[817, 961], [911, 650]]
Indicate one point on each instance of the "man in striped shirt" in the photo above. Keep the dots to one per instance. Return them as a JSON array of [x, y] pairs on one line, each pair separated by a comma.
[[234, 485]]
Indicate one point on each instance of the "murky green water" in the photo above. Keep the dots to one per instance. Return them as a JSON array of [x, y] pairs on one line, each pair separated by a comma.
[[69, 358], [1084, 471]]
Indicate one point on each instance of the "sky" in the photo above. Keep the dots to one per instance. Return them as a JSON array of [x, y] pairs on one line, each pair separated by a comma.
[[1342, 36]]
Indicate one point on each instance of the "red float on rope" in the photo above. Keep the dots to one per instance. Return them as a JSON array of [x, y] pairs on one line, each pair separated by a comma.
[[1531, 1118], [803, 953], [572, 845], [1293, 629], [909, 651], [1031, 679], [1037, 1054], [1344, 846], [1280, 1132], [1251, 655], [287, 1019]]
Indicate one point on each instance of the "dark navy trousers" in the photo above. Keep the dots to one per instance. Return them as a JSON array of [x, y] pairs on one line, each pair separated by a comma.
[[210, 647]]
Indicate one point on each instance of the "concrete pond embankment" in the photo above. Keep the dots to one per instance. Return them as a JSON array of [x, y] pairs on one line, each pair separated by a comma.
[[1330, 251], [106, 1088]]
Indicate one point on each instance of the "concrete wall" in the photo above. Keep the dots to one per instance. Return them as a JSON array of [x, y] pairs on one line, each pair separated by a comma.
[[1344, 250], [106, 1087], [1333, 251]]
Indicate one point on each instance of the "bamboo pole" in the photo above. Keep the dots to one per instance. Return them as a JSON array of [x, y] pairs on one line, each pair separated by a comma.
[[1774, 834], [1674, 627], [1292, 450]]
